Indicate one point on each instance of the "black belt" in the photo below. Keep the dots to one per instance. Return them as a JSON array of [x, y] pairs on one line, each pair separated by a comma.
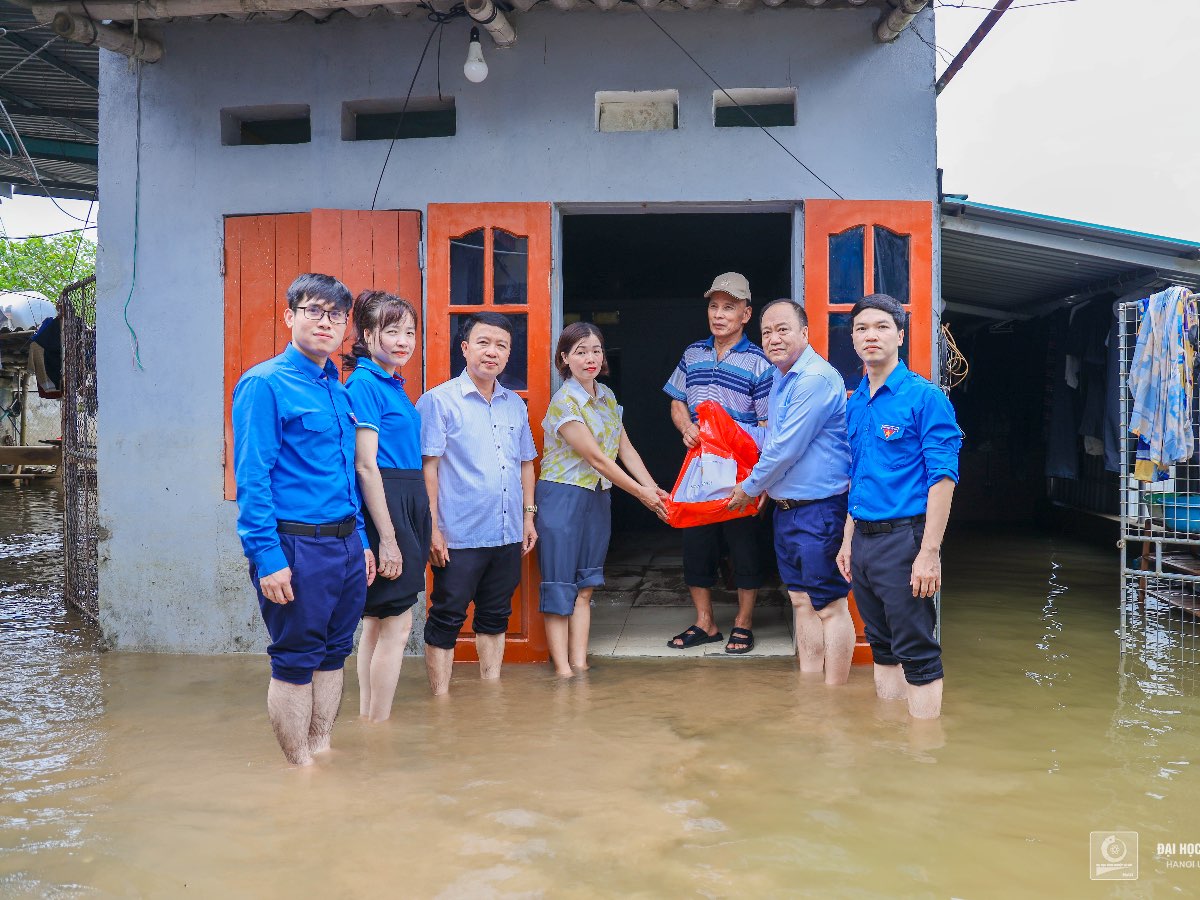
[[887, 526], [796, 504], [341, 529]]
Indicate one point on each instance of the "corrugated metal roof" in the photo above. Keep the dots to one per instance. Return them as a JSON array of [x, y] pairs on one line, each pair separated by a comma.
[[50, 91], [998, 261]]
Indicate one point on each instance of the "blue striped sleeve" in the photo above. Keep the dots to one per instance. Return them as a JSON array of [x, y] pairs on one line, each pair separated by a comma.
[[761, 393], [364, 400], [676, 386]]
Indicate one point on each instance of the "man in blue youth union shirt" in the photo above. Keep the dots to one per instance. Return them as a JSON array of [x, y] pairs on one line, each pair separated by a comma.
[[904, 444], [293, 457], [805, 468]]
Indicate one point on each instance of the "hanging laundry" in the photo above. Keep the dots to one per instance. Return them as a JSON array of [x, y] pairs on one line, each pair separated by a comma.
[[1160, 383]]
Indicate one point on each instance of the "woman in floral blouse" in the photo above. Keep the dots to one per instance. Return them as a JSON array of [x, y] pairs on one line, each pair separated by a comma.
[[584, 439]]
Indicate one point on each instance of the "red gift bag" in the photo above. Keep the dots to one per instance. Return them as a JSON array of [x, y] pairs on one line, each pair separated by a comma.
[[722, 457]]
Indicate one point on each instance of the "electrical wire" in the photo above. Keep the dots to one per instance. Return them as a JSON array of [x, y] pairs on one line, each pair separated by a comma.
[[955, 366], [137, 201], [439, 19], [29, 237], [731, 99], [37, 179], [946, 4], [79, 242]]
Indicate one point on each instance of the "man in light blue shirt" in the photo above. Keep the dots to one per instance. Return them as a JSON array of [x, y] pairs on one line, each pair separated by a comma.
[[477, 453], [805, 468]]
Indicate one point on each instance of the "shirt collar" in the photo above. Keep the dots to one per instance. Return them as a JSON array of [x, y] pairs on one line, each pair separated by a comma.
[[893, 381], [307, 366], [739, 347], [897, 377], [467, 386], [576, 390], [802, 362], [365, 362]]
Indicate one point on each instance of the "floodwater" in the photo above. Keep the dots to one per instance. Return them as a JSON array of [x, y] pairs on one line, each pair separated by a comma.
[[142, 775]]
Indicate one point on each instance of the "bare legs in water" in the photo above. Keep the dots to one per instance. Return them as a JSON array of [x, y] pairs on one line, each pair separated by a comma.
[[567, 636], [380, 656]]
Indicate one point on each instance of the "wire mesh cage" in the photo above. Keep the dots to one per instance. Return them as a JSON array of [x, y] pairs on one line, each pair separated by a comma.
[[79, 407], [1160, 517]]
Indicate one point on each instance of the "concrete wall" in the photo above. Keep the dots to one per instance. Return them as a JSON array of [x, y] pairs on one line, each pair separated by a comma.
[[172, 575]]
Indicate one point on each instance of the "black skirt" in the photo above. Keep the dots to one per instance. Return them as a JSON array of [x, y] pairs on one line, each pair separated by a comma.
[[408, 505]]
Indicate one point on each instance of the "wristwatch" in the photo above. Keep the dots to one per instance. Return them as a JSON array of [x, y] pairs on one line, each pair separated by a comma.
[[531, 509]]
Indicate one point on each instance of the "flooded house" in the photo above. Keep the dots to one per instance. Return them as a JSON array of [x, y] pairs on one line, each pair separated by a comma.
[[554, 161], [612, 161]]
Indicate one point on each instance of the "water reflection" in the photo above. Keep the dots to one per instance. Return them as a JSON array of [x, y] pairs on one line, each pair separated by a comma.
[[139, 774]]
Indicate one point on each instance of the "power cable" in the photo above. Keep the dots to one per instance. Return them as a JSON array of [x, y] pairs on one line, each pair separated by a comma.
[[79, 241], [50, 234], [955, 367], [947, 4], [732, 100], [37, 179], [439, 19], [137, 200]]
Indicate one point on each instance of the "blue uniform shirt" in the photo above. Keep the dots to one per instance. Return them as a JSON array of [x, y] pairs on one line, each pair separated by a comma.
[[481, 446], [293, 452], [381, 404], [903, 441], [805, 454], [739, 381]]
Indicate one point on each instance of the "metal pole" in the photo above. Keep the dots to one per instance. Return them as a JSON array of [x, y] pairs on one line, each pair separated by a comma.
[[975, 40]]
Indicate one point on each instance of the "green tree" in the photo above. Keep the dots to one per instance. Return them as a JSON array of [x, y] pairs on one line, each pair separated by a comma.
[[45, 264]]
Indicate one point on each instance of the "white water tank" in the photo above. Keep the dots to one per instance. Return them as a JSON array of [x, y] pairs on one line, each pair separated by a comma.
[[23, 310]]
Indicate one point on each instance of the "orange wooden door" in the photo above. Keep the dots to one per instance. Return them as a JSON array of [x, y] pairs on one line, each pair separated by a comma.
[[263, 255], [496, 256], [376, 249], [857, 247]]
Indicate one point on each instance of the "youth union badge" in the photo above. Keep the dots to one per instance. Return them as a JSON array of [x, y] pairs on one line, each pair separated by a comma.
[[889, 431]]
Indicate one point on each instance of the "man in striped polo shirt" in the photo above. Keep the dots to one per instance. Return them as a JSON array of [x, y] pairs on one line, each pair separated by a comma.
[[730, 369]]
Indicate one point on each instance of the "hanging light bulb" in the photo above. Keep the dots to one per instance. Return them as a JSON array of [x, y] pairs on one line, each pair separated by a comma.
[[476, 67]]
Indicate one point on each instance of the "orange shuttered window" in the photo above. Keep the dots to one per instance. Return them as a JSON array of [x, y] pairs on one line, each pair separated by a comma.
[[264, 254]]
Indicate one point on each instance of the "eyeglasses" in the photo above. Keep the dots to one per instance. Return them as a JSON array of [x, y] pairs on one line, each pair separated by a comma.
[[317, 313]]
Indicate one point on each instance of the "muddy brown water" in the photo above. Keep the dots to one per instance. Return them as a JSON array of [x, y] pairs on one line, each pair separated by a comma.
[[131, 775]]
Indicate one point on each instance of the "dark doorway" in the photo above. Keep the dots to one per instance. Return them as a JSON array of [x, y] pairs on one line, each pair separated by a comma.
[[642, 279]]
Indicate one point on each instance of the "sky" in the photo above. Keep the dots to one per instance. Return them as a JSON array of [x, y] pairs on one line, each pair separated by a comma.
[[1083, 109]]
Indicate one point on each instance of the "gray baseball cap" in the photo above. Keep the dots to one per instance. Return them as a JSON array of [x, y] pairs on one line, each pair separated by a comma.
[[731, 283]]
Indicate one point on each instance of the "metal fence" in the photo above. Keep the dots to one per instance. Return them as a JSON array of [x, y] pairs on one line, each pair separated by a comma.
[[1160, 537], [81, 505]]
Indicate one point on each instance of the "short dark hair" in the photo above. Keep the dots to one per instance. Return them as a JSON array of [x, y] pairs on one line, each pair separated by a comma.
[[495, 319], [884, 303], [796, 308], [572, 335], [322, 288]]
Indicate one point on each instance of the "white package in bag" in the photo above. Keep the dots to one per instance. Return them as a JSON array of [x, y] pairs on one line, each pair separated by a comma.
[[707, 477]]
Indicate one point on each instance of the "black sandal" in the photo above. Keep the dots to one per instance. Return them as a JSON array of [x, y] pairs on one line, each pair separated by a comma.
[[740, 636], [694, 636]]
